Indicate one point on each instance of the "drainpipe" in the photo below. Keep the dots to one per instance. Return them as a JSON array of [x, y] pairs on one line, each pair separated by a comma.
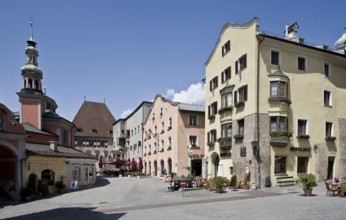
[[257, 113]]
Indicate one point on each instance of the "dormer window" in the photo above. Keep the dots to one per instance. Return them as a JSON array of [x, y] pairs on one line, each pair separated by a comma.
[[226, 48], [94, 131], [79, 130]]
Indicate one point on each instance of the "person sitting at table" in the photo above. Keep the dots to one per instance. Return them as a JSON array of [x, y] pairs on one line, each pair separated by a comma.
[[335, 181]]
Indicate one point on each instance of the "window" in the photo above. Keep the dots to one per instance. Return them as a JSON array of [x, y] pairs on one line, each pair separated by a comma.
[[240, 96], [211, 136], [212, 109], [169, 142], [226, 100], [48, 177], [79, 130], [193, 140], [302, 63], [65, 137], [226, 48], [162, 144], [278, 89], [280, 165], [226, 74], [302, 127], [226, 130], [192, 119], [2, 120], [161, 111], [170, 123], [326, 69], [275, 57], [329, 129], [241, 127], [327, 98], [302, 164], [93, 131], [278, 124], [240, 64], [213, 83], [162, 127]]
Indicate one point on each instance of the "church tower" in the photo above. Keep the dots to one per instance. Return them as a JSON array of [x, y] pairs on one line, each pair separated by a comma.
[[31, 97]]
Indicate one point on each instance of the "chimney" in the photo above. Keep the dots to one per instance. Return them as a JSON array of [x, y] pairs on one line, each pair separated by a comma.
[[53, 145]]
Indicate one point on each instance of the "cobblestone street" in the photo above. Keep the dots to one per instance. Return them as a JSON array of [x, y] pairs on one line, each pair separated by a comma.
[[146, 198]]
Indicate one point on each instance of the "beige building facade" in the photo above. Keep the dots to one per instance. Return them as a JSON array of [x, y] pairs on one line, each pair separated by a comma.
[[173, 139], [275, 106]]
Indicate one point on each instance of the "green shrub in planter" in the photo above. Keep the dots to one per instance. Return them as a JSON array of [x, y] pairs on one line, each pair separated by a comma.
[[218, 181], [233, 182]]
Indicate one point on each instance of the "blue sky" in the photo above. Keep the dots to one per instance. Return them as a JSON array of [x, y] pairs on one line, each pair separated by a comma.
[[129, 51]]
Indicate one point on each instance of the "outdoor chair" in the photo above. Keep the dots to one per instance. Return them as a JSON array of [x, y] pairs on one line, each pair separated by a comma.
[[342, 190], [330, 189]]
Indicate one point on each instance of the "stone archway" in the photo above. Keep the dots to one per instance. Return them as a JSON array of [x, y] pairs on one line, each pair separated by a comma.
[[149, 170], [9, 172], [162, 163], [155, 168], [215, 160], [33, 182]]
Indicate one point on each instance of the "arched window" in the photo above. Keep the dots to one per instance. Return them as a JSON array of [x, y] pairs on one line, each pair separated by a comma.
[[76, 173], [30, 83], [36, 84], [48, 177]]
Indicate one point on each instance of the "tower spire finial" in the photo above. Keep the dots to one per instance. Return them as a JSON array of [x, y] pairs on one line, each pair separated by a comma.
[[31, 30]]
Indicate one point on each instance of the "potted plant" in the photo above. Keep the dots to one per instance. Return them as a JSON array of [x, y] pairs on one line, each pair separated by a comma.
[[26, 193], [233, 182], [59, 185], [307, 182], [219, 183]]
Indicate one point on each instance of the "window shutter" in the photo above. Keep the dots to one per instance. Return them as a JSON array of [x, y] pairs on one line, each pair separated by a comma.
[[209, 110], [216, 82], [223, 77], [235, 97], [245, 93], [236, 67], [245, 61]]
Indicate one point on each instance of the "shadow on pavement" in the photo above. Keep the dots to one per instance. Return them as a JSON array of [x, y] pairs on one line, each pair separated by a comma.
[[75, 213]]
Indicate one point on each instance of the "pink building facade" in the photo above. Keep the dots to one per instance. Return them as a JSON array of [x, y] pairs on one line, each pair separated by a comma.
[[173, 139]]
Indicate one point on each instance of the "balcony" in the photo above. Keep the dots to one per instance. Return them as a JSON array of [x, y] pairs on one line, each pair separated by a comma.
[[225, 143], [279, 99], [211, 117], [303, 136], [225, 110], [211, 144], [280, 139]]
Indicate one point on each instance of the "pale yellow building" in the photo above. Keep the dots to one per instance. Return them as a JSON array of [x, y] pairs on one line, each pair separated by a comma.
[[275, 99]]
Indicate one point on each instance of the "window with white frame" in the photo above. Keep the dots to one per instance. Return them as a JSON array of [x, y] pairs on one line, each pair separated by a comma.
[[278, 124], [226, 130], [226, 75], [301, 61], [226, 48], [213, 83], [329, 129], [327, 98], [212, 136], [240, 64], [302, 127], [193, 140], [169, 142], [275, 57], [226, 100], [278, 89], [240, 96], [327, 70], [162, 144], [193, 120], [212, 109]]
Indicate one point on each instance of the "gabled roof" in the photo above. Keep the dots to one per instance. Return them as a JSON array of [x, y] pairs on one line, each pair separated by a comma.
[[94, 120]]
